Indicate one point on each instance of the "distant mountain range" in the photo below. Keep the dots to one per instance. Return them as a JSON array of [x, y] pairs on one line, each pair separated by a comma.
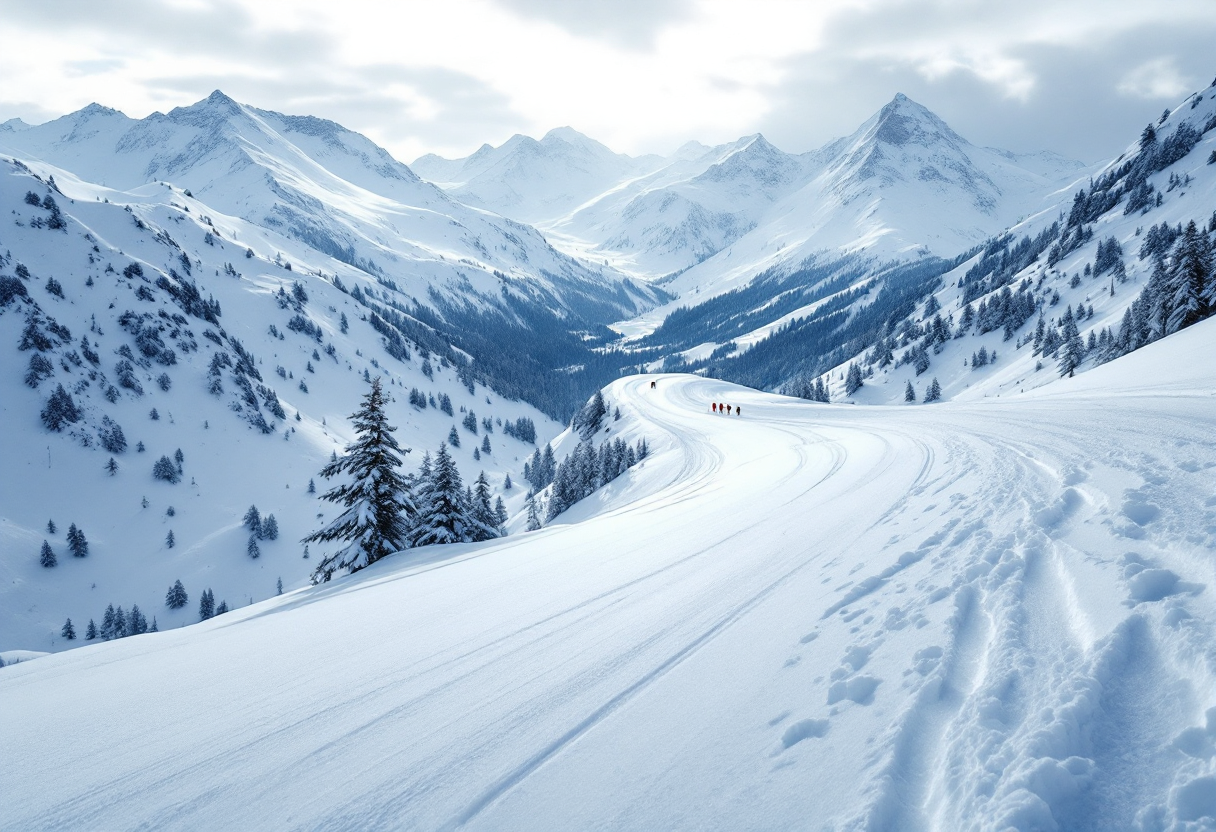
[[902, 184]]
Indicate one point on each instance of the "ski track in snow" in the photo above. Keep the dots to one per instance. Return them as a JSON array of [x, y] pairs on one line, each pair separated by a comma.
[[964, 616]]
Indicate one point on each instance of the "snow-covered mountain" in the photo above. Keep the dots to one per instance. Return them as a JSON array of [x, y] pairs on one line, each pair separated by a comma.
[[534, 181], [988, 615], [902, 184], [316, 182], [972, 321], [173, 327]]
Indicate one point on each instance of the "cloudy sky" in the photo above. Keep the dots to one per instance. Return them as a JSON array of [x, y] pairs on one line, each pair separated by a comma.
[[1080, 78]]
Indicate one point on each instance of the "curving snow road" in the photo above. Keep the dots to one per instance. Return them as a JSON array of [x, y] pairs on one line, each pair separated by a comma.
[[983, 616]]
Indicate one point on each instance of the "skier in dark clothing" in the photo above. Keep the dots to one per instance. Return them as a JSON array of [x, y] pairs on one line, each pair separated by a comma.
[[728, 410], [738, 410], [652, 384], [715, 407]]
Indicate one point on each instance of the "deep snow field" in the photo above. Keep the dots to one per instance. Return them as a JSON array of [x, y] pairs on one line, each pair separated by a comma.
[[971, 615]]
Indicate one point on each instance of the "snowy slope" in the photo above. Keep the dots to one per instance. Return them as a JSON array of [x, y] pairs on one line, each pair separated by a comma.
[[328, 187], [984, 615], [1071, 282], [229, 464], [902, 186]]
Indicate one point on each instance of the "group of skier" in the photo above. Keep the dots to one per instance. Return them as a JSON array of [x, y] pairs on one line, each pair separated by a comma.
[[725, 409]]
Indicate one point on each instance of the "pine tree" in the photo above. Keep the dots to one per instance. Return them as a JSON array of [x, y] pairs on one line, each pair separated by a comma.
[[485, 521], [279, 587], [107, 623], [68, 631], [909, 392], [485, 445], [853, 381], [270, 528], [47, 558], [164, 469], [1188, 278], [60, 411], [51, 528], [378, 501], [454, 437], [934, 393], [121, 628], [90, 632], [77, 544], [1073, 352], [176, 597], [500, 514], [507, 485], [312, 486], [252, 549], [112, 467], [533, 514], [442, 518], [222, 608], [153, 628], [253, 520], [170, 540], [206, 605], [136, 623]]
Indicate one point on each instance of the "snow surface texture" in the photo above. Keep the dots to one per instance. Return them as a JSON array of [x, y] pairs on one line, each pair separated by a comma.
[[976, 615]]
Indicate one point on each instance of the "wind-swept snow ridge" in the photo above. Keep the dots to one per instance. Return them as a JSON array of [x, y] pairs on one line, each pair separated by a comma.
[[984, 615]]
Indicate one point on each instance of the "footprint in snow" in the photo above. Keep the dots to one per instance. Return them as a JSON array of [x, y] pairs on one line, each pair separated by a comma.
[[859, 689], [803, 729]]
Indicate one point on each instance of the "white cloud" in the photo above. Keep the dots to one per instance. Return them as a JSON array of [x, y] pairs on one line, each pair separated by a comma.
[[447, 76], [1158, 78]]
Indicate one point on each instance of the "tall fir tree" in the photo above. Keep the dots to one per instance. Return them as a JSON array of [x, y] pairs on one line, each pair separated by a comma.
[[934, 393], [206, 605], [484, 520], [379, 507], [442, 517], [533, 513], [68, 632], [90, 632], [1188, 278], [909, 392], [176, 597], [47, 556]]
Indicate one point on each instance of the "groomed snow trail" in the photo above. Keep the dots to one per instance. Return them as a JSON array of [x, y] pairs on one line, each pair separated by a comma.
[[984, 616]]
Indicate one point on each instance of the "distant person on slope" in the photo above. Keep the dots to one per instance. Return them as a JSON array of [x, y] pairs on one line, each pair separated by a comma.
[[738, 410], [728, 410], [652, 384], [715, 407]]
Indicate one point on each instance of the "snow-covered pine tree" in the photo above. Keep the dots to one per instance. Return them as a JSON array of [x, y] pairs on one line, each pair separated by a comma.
[[454, 437], [60, 410], [853, 381], [47, 556], [112, 467], [587, 420], [90, 632], [77, 544], [442, 517], [485, 444], [68, 631], [500, 514], [934, 393], [1188, 293], [533, 514], [909, 392], [484, 519], [222, 608], [507, 485], [176, 597], [270, 528], [1073, 352], [251, 548], [107, 623], [51, 528], [379, 507], [253, 520], [136, 624], [170, 540], [206, 605]]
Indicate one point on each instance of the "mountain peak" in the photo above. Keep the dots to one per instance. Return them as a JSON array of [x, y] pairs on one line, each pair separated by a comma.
[[903, 121], [215, 105]]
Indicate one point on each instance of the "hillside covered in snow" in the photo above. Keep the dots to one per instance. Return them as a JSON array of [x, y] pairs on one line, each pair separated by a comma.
[[986, 614]]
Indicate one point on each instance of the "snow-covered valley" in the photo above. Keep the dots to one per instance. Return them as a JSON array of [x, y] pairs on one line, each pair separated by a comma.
[[985, 615]]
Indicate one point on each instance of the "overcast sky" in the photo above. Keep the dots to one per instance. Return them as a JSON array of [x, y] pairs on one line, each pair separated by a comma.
[[1079, 78]]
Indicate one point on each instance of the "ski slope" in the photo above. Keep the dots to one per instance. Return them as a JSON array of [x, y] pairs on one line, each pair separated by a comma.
[[971, 615]]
